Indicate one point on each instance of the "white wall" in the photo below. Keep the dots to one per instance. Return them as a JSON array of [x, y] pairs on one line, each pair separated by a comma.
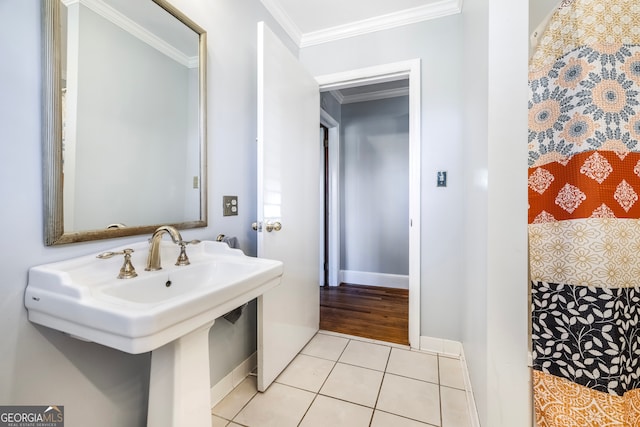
[[98, 386], [496, 283], [475, 133], [375, 186], [507, 278], [439, 45]]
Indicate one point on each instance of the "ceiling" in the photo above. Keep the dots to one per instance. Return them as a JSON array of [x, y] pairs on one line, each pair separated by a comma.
[[311, 22]]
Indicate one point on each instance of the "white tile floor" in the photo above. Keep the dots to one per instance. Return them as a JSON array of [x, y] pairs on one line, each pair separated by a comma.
[[344, 381]]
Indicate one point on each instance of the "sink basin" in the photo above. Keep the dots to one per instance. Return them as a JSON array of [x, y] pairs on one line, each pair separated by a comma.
[[181, 283], [83, 297]]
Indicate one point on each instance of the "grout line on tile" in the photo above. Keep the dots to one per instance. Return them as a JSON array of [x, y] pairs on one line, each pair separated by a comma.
[[365, 367], [335, 363], [343, 350], [347, 401], [363, 339], [375, 405], [244, 406], [360, 366], [312, 401], [454, 388], [412, 378], [439, 392], [408, 418], [464, 387], [449, 356], [386, 365], [384, 374]]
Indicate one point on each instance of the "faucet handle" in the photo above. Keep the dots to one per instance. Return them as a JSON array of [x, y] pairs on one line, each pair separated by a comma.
[[190, 242], [183, 259], [127, 271]]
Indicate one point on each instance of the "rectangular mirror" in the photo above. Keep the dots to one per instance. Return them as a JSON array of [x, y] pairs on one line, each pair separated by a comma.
[[124, 119]]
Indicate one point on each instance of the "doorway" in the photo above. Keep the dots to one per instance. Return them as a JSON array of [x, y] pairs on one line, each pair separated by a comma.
[[408, 71]]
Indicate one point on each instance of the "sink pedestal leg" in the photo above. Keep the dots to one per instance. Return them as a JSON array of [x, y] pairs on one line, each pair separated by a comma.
[[179, 388]]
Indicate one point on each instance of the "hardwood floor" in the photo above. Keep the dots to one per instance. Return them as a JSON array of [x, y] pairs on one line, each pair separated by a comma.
[[366, 311]]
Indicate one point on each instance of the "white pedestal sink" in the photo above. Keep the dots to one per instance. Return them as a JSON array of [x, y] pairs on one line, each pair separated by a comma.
[[179, 386], [168, 312]]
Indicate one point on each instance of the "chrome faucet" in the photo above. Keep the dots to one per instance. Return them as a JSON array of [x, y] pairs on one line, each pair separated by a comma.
[[153, 259]]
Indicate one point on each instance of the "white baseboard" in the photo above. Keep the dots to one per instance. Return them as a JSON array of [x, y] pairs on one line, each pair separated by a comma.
[[441, 346], [235, 377], [454, 349], [471, 401], [399, 281]]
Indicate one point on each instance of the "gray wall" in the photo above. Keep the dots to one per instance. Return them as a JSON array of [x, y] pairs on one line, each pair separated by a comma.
[[538, 11], [375, 186], [442, 148], [139, 88], [329, 104], [41, 366]]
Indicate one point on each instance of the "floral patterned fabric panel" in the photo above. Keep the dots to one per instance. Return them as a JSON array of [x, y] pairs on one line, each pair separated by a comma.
[[586, 101], [590, 336], [562, 403], [578, 23], [600, 252]]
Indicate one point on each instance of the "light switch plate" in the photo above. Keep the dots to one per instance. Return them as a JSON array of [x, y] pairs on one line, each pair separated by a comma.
[[442, 178], [229, 205]]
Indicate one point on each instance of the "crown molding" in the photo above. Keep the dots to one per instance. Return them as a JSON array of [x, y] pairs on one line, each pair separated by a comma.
[[404, 17], [374, 96], [285, 21], [337, 95], [136, 30]]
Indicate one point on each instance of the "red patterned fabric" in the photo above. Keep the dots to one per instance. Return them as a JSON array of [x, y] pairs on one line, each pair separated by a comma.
[[593, 184]]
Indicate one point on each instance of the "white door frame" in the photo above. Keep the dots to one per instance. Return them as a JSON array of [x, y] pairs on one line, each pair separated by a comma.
[[378, 74], [334, 199]]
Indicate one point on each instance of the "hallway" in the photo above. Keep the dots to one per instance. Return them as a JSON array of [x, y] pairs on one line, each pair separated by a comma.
[[366, 311]]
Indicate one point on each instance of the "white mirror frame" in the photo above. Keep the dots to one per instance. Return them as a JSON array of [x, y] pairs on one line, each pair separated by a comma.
[[54, 233]]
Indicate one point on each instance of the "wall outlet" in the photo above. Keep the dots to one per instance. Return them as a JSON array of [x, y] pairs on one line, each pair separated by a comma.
[[229, 205]]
